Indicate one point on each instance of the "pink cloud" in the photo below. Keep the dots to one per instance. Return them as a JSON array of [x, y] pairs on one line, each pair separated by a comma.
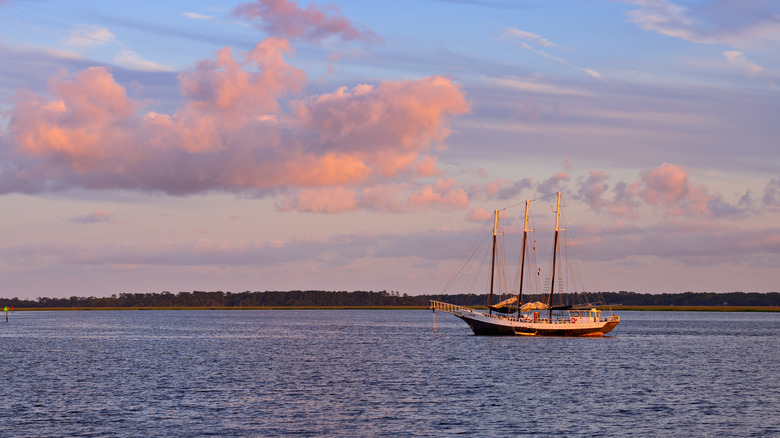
[[396, 198], [668, 185], [426, 166], [478, 215], [388, 126], [322, 200], [225, 84], [287, 19], [236, 130], [80, 125], [444, 192]]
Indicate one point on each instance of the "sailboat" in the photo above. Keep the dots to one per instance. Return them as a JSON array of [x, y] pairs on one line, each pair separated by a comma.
[[534, 318]]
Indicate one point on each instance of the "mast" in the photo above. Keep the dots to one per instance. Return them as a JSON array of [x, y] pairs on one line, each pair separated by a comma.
[[555, 251], [522, 259], [493, 262]]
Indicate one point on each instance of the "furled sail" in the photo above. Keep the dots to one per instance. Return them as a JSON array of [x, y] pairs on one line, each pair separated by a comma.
[[536, 305], [503, 306]]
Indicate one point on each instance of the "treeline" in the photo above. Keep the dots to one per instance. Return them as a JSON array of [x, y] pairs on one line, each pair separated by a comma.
[[753, 299], [316, 298]]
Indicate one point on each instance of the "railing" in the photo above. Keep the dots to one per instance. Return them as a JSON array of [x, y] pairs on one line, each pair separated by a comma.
[[448, 308]]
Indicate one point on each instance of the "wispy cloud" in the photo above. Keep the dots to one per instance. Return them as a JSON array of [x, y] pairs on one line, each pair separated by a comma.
[[725, 22], [90, 35], [94, 217], [133, 61], [666, 18], [539, 45], [534, 85], [518, 35], [196, 16], [739, 60]]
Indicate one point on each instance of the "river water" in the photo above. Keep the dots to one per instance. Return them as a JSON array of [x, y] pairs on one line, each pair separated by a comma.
[[383, 373]]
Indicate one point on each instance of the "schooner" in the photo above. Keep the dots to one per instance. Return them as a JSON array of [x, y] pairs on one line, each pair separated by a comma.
[[512, 317]]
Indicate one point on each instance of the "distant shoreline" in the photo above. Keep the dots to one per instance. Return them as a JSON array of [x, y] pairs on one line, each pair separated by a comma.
[[614, 308]]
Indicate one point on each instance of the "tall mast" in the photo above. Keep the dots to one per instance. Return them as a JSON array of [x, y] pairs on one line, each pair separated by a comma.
[[522, 259], [493, 262], [555, 251]]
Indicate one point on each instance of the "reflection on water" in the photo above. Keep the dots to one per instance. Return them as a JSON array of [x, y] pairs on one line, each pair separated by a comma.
[[369, 373]]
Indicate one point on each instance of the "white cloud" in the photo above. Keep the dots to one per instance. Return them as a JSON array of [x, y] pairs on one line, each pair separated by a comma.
[[90, 35], [522, 38], [593, 73], [666, 18], [130, 59], [523, 35], [726, 22], [196, 16], [538, 87]]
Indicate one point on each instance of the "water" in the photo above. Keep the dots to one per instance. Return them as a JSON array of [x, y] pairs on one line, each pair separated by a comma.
[[383, 373]]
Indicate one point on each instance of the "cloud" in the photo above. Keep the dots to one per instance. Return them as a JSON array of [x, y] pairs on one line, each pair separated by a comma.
[[553, 184], [771, 197], [283, 18], [500, 189], [387, 127], [732, 22], [667, 187], [523, 35], [322, 200], [532, 42], [243, 126], [593, 73], [739, 60], [531, 85], [666, 18], [196, 16], [131, 60], [90, 35], [519, 38], [337, 250], [478, 215], [592, 189], [91, 218], [689, 243], [445, 194]]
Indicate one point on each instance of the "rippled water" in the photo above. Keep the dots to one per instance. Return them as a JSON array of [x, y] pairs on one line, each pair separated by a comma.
[[374, 373]]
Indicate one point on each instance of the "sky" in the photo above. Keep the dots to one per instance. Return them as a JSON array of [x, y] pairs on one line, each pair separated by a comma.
[[356, 145]]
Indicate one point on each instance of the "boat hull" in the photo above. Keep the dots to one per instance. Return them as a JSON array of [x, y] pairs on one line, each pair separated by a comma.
[[566, 329], [488, 325], [484, 325]]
